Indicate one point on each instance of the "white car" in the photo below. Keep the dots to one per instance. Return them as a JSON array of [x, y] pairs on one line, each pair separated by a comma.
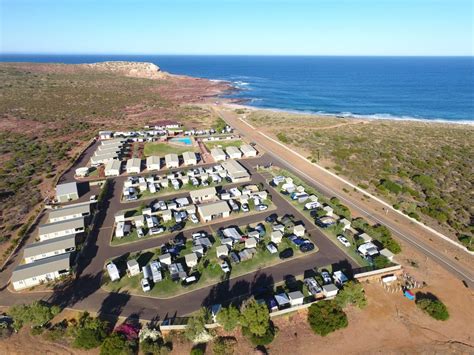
[[156, 230], [198, 235], [140, 232], [343, 241], [261, 207], [93, 198], [193, 218], [145, 285], [225, 267]]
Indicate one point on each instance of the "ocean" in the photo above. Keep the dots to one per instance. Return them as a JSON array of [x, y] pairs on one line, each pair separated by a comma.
[[423, 88]]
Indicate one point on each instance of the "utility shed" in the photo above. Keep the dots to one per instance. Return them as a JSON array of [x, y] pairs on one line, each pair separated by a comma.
[[45, 270], [218, 154], [70, 212], [248, 151], [296, 298], [276, 237], [222, 250], [191, 260], [48, 248], [67, 192], [133, 267], [112, 168], [330, 290], [134, 166], [171, 161], [189, 158]]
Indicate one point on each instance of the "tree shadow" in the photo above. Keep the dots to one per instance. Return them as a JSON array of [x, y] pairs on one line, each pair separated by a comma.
[[426, 295], [112, 306], [345, 266]]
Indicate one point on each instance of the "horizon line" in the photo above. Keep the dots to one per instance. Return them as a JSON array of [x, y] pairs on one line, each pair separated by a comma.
[[236, 55]]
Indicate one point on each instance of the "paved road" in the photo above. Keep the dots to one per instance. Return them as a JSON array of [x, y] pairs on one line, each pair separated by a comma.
[[85, 292], [416, 236]]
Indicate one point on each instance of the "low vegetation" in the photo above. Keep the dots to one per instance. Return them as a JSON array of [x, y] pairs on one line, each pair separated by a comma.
[[326, 317], [351, 294], [423, 169], [432, 306]]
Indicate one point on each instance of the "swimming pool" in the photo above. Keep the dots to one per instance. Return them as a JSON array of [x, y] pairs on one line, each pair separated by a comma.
[[183, 140]]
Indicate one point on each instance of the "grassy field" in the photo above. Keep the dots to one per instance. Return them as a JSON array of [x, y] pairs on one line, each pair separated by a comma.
[[161, 149], [422, 169], [223, 144], [208, 267]]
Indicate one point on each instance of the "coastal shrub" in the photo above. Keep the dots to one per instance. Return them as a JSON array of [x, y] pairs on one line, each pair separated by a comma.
[[326, 317], [224, 346], [116, 344], [426, 182], [467, 241], [228, 318], [352, 293], [260, 340], [380, 262], [282, 137], [89, 332], [431, 305], [38, 314], [390, 186]]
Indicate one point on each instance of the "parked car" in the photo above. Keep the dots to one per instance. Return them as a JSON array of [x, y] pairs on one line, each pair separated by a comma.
[[156, 230], [198, 235], [327, 279], [93, 198], [343, 241], [140, 232], [286, 254], [225, 267], [272, 248], [245, 207], [145, 285], [193, 218], [272, 218], [189, 280], [298, 241], [177, 227], [306, 246], [261, 207]]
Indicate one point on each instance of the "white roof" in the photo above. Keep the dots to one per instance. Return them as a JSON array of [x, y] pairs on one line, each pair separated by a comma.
[[171, 158], [153, 159], [246, 149], [113, 165], [133, 163], [189, 156], [217, 152], [214, 208], [233, 150], [66, 189], [202, 192]]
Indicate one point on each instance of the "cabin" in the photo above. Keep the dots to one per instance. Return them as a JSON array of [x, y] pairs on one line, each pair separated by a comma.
[[203, 195], [330, 290], [213, 210], [191, 260], [165, 259], [171, 161], [276, 236], [153, 163], [251, 243], [299, 230], [56, 246], [133, 166], [113, 167], [233, 152], [282, 300], [59, 229], [248, 151], [67, 192], [189, 158], [222, 250], [41, 271], [218, 154], [70, 212], [236, 171]]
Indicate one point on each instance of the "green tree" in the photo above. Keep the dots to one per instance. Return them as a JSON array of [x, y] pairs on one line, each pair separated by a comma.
[[352, 293], [228, 318], [431, 305], [255, 317], [90, 332], [115, 344], [326, 317], [196, 326], [38, 314]]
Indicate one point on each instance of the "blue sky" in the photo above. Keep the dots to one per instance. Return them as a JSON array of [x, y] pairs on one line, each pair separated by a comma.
[[271, 27]]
